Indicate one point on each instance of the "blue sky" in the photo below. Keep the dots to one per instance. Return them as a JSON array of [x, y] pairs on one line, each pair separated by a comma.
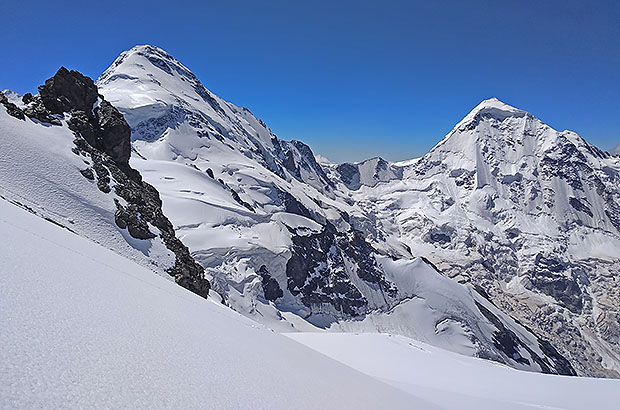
[[353, 79]]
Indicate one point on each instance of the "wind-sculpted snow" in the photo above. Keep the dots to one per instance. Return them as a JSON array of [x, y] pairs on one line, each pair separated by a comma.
[[279, 240]]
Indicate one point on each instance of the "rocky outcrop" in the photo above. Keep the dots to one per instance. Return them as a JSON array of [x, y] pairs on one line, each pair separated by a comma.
[[94, 118], [271, 288], [35, 110], [68, 91], [103, 135], [115, 132], [317, 273], [322, 265]]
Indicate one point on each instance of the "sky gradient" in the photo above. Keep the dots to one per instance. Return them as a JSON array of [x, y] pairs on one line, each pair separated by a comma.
[[351, 79]]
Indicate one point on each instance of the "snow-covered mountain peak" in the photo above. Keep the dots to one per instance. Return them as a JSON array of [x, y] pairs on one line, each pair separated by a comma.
[[141, 54], [146, 82], [505, 151], [490, 108], [505, 136], [151, 50], [496, 103], [496, 130], [174, 117]]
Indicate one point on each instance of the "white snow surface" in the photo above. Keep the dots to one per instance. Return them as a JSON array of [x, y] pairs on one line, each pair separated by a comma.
[[83, 327], [458, 382]]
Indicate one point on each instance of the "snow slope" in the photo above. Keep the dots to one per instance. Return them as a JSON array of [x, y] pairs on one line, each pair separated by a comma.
[[456, 381], [83, 327]]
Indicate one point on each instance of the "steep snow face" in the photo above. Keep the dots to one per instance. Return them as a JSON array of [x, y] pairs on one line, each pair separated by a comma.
[[83, 327], [530, 214], [263, 217], [509, 154]]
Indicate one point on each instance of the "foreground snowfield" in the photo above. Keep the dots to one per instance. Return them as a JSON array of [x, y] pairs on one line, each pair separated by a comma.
[[83, 327]]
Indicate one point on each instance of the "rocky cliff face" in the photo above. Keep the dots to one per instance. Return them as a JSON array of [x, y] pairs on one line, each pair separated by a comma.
[[92, 117]]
